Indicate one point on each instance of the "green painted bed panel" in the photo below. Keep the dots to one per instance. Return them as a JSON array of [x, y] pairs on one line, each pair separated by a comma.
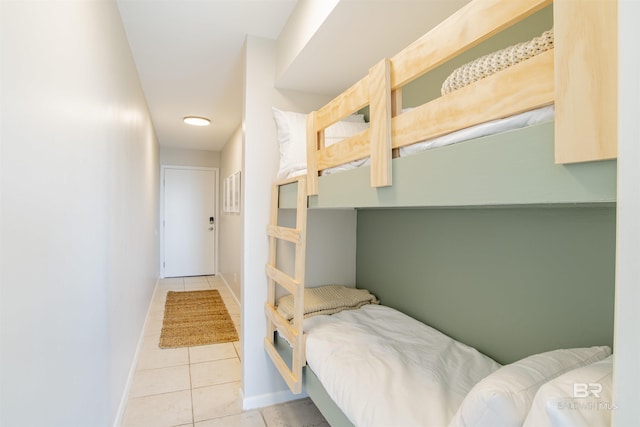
[[288, 196], [510, 168], [314, 388], [510, 282], [325, 404]]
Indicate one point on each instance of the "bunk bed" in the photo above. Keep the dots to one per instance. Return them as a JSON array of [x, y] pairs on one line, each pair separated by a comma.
[[580, 67], [569, 161]]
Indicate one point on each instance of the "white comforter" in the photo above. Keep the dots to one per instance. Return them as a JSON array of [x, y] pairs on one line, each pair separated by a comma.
[[383, 368]]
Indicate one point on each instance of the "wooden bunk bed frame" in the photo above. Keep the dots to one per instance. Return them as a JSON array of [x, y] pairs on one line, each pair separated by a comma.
[[581, 67], [578, 76]]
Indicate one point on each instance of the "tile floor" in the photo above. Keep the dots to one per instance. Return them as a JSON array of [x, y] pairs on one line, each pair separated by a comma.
[[199, 386]]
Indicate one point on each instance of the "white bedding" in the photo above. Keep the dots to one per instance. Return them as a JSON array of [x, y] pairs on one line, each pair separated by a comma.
[[383, 368], [518, 121]]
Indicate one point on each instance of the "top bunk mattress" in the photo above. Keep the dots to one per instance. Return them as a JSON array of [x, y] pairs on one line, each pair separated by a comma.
[[383, 368], [291, 135], [517, 121], [513, 168]]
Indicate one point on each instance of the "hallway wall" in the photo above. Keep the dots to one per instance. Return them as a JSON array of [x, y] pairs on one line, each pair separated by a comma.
[[79, 212], [231, 223]]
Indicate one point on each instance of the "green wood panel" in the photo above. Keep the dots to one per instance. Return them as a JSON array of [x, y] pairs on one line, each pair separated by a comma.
[[510, 168], [510, 282], [314, 389], [323, 401], [288, 196]]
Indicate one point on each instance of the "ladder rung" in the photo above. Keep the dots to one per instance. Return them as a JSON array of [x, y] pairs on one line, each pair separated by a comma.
[[283, 279], [294, 383], [289, 332], [285, 233]]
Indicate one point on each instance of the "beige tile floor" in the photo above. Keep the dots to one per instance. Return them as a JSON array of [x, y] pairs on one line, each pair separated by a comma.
[[199, 386]]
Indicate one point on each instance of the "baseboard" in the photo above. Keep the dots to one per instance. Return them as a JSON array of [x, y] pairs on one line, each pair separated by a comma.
[[132, 370], [229, 287], [269, 399]]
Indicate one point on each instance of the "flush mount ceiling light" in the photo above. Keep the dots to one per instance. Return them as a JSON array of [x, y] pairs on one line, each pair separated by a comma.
[[197, 121]]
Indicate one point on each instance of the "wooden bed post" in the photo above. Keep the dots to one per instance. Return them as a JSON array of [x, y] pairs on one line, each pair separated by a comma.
[[586, 80], [396, 108], [380, 118], [312, 154]]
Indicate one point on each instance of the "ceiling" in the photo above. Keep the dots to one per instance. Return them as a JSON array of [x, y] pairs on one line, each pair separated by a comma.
[[189, 54]]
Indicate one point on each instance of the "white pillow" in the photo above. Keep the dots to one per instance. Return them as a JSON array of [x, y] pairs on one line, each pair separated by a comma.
[[504, 397], [582, 397], [292, 138]]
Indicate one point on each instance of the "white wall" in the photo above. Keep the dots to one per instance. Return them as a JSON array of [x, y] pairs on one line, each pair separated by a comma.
[[331, 247], [261, 383], [231, 223], [306, 18], [627, 317], [79, 206]]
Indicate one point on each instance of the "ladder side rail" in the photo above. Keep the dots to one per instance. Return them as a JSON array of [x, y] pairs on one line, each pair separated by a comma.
[[292, 331], [273, 241], [299, 359]]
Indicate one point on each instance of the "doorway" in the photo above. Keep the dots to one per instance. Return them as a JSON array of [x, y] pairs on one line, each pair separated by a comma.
[[189, 221]]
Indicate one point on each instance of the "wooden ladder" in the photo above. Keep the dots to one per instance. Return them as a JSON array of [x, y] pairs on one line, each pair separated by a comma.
[[293, 332]]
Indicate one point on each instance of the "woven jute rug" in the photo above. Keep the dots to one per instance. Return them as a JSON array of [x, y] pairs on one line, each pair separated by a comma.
[[195, 318]]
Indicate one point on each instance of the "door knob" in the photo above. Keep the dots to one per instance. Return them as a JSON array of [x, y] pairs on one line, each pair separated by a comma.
[[210, 228]]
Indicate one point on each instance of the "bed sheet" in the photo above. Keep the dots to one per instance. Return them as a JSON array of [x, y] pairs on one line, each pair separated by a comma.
[[384, 368], [518, 121]]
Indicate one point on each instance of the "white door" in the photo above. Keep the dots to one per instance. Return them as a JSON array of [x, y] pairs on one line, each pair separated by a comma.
[[189, 221]]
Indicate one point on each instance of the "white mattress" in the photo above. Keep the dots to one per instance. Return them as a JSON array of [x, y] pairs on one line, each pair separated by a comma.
[[383, 368], [518, 121]]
